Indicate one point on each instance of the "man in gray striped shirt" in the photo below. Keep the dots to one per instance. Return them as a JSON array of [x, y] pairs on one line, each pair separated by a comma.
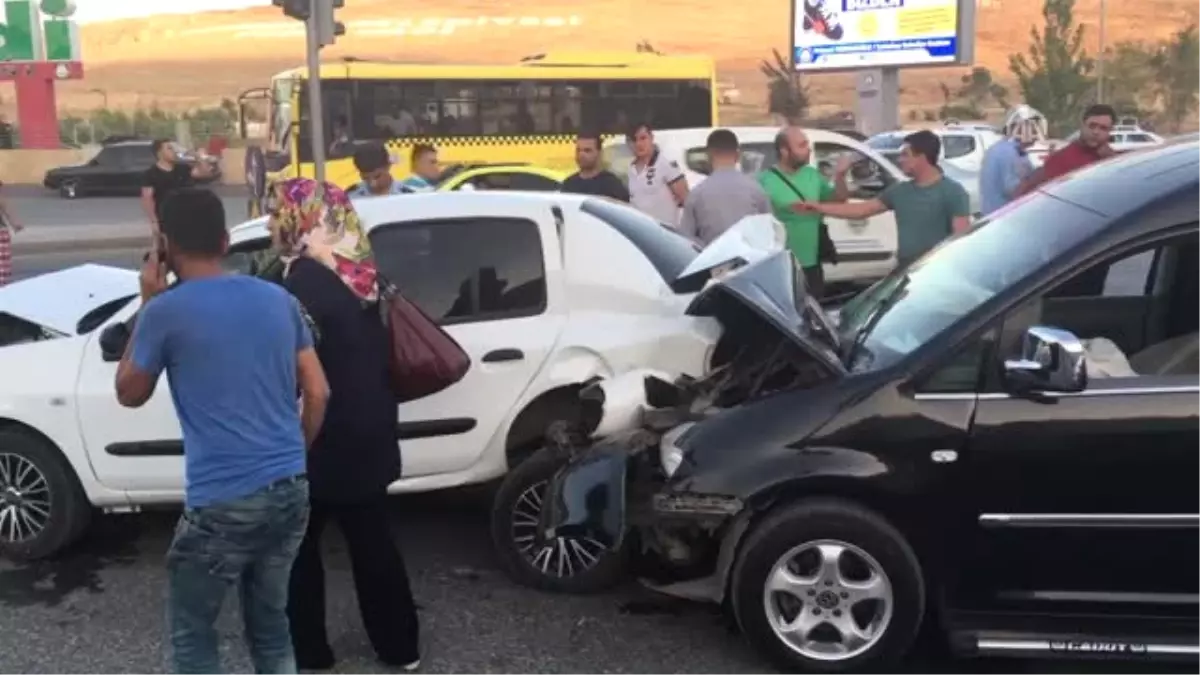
[[725, 197]]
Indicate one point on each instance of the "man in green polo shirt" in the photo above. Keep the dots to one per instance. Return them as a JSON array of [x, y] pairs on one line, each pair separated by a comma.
[[794, 182]]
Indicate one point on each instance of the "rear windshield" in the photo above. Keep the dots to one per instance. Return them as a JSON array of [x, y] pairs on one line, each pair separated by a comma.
[[666, 249]]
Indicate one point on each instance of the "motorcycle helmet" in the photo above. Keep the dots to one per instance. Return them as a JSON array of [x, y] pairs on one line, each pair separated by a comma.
[[1025, 124]]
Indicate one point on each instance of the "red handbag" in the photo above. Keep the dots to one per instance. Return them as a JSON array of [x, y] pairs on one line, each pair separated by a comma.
[[424, 358]]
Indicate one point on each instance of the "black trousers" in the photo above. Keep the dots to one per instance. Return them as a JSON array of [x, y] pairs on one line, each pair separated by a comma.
[[385, 599]]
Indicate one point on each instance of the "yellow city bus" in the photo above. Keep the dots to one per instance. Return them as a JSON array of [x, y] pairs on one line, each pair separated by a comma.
[[528, 112]]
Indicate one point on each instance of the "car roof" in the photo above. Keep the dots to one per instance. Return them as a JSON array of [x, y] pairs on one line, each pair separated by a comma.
[[1131, 181], [375, 211]]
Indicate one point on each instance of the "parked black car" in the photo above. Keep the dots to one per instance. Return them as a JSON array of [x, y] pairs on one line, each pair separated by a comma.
[[117, 169], [998, 442]]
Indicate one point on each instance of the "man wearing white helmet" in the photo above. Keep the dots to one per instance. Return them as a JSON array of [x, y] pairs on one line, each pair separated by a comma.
[[1007, 163]]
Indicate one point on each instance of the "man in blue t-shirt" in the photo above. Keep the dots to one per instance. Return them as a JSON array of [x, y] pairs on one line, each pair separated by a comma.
[[236, 351]]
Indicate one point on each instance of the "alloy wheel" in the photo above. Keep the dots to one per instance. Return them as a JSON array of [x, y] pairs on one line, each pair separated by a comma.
[[828, 600], [24, 499], [558, 556]]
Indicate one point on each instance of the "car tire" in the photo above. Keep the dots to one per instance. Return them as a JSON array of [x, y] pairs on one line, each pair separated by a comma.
[[69, 189], [821, 529], [533, 562], [33, 471]]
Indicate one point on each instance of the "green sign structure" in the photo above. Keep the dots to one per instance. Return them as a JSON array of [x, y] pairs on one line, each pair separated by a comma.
[[24, 36]]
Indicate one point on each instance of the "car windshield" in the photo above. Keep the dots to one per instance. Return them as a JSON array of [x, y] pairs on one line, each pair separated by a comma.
[[913, 305]]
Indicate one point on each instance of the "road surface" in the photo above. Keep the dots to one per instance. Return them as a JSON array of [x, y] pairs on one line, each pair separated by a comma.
[[99, 608], [35, 206]]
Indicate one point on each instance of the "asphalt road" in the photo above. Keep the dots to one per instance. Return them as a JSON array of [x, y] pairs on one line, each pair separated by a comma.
[[36, 206], [99, 607]]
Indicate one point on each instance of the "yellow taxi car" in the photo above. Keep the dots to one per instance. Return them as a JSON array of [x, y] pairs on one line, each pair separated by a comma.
[[490, 176], [513, 176]]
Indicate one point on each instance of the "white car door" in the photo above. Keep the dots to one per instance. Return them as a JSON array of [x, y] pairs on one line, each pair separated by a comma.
[[489, 280], [866, 247], [135, 449]]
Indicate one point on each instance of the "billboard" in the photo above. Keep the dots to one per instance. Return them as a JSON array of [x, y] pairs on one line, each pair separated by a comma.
[[850, 34]]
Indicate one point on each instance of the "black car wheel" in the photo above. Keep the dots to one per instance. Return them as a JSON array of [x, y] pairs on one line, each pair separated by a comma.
[[828, 586], [69, 189], [559, 564], [42, 507]]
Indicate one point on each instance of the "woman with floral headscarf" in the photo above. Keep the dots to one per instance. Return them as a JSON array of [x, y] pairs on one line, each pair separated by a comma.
[[330, 270]]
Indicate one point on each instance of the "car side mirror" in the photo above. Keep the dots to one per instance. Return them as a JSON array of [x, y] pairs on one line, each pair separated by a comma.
[[1052, 360], [113, 341]]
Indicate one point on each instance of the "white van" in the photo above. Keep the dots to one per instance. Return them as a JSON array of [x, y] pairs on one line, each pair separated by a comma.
[[866, 248]]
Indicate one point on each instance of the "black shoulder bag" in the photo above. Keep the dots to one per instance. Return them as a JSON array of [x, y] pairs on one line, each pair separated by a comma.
[[826, 249]]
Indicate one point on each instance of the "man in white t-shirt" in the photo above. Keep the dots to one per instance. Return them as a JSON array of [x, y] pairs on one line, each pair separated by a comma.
[[657, 186]]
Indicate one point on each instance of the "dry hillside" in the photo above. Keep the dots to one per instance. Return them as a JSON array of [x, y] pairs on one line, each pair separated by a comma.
[[185, 61]]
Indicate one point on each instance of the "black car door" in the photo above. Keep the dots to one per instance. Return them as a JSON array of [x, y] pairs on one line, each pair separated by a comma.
[[1086, 502], [135, 160]]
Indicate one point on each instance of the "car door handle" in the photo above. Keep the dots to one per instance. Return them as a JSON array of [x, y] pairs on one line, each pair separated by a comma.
[[503, 355], [858, 223]]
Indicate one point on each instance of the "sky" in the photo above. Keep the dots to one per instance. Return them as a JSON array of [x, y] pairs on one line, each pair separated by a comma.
[[107, 10]]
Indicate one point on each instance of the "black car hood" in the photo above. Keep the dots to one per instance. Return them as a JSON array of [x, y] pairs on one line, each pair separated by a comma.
[[773, 288]]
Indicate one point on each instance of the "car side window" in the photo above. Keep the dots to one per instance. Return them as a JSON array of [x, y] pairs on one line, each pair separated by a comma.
[[1136, 313], [534, 183], [465, 270], [109, 156], [964, 371], [956, 145], [1123, 278], [758, 157], [15, 331]]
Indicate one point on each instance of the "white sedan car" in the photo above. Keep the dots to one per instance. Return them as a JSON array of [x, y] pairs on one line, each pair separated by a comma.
[[545, 291]]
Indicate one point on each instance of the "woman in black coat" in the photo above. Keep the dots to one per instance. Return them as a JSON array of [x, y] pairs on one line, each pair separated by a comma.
[[355, 457]]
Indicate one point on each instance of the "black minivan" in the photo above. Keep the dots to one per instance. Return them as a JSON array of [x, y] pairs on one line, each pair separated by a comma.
[[999, 442]]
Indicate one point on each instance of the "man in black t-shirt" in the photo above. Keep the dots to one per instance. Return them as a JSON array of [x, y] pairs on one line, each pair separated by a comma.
[[592, 178], [165, 177]]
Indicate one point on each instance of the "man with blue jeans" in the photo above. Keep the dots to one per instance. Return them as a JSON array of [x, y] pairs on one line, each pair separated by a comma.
[[236, 350]]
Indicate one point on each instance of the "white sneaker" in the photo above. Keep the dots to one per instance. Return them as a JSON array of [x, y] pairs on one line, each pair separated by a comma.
[[412, 667]]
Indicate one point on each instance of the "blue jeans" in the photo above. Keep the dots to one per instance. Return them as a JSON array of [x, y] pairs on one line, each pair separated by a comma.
[[248, 544]]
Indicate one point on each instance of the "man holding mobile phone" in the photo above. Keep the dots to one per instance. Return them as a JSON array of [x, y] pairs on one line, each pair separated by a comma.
[[236, 350]]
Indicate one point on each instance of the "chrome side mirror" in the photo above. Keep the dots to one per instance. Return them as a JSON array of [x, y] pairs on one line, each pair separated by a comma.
[[1052, 360]]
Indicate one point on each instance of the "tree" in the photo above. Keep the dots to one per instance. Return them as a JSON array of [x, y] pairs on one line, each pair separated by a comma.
[[1177, 65], [787, 96], [1056, 75], [1129, 74], [978, 87]]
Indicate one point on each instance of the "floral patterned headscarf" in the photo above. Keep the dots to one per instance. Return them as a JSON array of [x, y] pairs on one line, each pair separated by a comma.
[[325, 228]]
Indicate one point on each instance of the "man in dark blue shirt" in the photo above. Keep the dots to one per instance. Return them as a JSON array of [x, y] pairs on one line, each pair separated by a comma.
[[236, 350]]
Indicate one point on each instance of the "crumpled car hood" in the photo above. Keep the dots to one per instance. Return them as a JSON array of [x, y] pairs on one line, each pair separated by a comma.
[[58, 300]]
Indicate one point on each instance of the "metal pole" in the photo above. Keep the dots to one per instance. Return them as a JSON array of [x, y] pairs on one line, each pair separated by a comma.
[[315, 111], [1100, 59]]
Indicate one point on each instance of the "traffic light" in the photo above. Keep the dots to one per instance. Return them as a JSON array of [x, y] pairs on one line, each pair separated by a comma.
[[300, 10], [329, 29]]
